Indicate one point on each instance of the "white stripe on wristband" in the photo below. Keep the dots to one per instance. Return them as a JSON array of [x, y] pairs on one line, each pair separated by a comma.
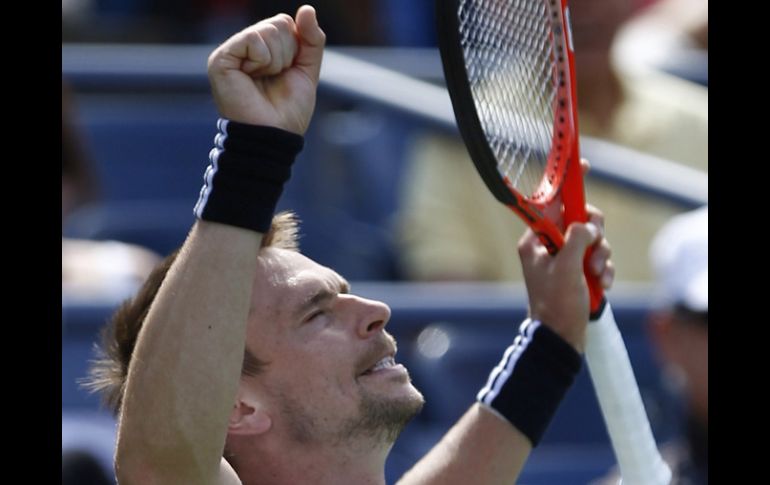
[[531, 380], [213, 168], [504, 369]]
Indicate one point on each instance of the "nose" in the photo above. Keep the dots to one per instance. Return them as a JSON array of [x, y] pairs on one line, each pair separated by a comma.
[[370, 316]]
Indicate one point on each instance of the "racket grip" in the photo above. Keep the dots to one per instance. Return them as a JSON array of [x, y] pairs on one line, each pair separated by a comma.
[[621, 404]]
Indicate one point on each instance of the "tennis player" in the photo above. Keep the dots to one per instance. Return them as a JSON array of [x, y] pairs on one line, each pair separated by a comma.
[[243, 361]]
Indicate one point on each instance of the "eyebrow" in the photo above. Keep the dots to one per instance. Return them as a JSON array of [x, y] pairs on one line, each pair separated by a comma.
[[320, 296]]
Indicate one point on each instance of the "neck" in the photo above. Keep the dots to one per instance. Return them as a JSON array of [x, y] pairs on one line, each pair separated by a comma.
[[292, 463]]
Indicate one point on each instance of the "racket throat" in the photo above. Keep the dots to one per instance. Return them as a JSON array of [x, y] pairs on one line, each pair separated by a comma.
[[548, 233]]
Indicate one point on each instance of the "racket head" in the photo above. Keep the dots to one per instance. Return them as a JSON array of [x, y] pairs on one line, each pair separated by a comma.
[[509, 72]]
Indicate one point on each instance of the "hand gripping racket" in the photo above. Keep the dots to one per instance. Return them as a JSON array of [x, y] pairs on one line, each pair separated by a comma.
[[509, 69]]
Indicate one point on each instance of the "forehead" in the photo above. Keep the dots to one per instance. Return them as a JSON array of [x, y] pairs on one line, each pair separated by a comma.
[[286, 278]]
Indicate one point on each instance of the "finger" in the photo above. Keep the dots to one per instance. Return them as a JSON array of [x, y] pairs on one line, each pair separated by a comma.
[[600, 257], [258, 49], [245, 46], [286, 32], [527, 244], [578, 238], [608, 275], [595, 216], [585, 166], [311, 42], [256, 54], [531, 249], [272, 36]]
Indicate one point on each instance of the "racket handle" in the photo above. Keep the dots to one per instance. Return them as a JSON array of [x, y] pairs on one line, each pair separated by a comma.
[[621, 404]]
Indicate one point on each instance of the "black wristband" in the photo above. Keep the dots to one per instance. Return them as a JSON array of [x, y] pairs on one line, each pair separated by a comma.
[[248, 167], [530, 381]]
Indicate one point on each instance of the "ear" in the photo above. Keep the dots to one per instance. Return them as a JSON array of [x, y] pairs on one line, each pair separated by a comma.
[[248, 416]]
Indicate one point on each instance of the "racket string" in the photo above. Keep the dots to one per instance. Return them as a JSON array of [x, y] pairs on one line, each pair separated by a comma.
[[510, 60]]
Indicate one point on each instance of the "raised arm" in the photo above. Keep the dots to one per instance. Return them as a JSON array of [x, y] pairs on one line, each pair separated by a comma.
[[185, 369], [491, 442]]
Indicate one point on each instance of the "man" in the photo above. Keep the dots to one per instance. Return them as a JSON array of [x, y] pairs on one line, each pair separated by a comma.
[[679, 331], [242, 361]]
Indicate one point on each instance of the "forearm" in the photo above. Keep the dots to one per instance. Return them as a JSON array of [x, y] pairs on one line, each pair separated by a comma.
[[482, 448], [186, 365], [493, 440], [185, 370]]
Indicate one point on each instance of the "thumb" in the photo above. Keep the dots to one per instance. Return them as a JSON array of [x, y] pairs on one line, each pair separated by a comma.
[[578, 239], [311, 42]]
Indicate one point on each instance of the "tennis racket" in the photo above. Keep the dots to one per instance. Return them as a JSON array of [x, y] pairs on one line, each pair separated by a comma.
[[509, 69]]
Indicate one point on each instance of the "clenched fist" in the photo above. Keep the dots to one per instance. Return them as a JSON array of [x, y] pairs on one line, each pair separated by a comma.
[[267, 73]]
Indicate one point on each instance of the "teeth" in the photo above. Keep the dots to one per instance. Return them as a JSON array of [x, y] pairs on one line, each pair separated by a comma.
[[385, 363]]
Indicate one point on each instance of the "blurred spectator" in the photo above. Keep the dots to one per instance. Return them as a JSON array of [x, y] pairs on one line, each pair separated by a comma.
[[451, 228], [679, 332], [91, 269], [670, 35]]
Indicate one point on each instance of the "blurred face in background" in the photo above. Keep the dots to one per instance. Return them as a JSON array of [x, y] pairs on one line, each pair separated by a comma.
[[682, 341]]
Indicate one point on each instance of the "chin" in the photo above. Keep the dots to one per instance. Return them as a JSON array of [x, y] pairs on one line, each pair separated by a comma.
[[383, 415], [403, 391], [416, 395]]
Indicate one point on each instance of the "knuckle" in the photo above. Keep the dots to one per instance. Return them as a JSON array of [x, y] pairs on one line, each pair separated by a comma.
[[215, 60], [607, 248], [252, 36], [282, 21], [524, 246], [269, 31], [212, 58]]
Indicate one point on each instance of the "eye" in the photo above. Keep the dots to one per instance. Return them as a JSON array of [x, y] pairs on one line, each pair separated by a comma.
[[315, 315]]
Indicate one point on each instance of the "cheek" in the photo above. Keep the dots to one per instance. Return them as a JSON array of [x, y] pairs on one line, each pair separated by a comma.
[[313, 362], [315, 373]]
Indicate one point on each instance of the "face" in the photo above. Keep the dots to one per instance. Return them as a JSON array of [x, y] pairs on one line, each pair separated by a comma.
[[692, 341], [331, 376], [683, 345]]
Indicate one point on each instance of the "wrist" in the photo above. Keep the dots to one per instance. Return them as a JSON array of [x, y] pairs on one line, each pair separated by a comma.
[[531, 380], [569, 326], [248, 168]]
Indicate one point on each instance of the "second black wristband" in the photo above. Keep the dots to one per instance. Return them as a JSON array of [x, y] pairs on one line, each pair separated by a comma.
[[530, 381]]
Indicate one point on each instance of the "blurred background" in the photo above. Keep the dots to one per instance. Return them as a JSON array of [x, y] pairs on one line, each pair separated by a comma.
[[384, 189]]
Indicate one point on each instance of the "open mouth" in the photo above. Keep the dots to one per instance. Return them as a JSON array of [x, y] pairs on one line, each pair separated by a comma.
[[386, 362]]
